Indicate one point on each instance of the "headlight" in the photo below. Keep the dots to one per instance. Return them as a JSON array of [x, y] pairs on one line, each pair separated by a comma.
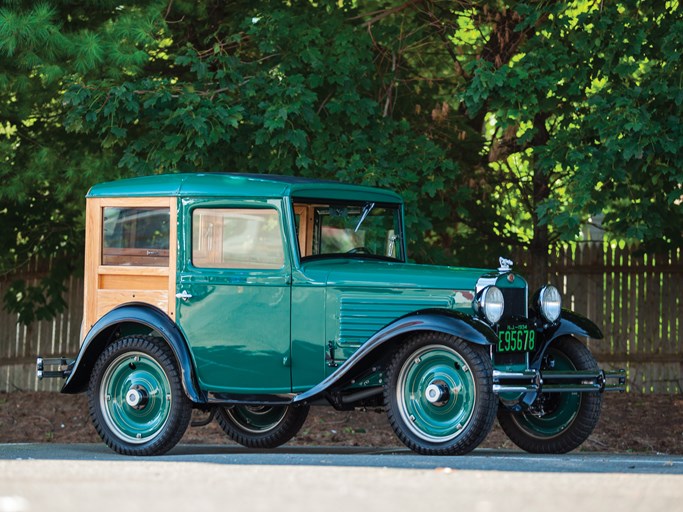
[[490, 304], [549, 303]]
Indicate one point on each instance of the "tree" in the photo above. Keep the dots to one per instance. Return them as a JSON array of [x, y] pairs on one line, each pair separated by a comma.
[[45, 170], [584, 117], [569, 107], [273, 88], [503, 123]]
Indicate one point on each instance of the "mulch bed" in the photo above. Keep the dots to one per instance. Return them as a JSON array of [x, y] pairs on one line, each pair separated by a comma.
[[629, 423]]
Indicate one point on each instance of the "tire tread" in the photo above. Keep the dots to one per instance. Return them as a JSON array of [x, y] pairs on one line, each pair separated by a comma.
[[580, 429], [181, 410], [485, 412], [289, 426]]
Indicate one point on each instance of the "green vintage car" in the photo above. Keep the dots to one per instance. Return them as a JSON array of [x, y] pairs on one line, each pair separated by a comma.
[[255, 297]]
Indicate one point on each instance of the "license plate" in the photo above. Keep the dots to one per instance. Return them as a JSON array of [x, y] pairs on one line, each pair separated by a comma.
[[516, 338]]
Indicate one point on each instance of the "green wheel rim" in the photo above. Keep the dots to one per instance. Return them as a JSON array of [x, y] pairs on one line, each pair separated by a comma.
[[257, 419], [447, 417], [561, 409], [141, 374]]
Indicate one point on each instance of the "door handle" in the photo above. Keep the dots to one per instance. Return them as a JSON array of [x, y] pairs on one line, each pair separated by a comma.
[[184, 295]]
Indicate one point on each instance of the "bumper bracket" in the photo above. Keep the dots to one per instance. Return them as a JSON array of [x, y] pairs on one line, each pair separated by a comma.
[[63, 366]]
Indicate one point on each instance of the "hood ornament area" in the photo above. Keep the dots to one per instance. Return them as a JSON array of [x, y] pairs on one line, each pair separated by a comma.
[[505, 265]]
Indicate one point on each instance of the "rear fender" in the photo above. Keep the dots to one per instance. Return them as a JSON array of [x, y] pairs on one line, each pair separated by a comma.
[[387, 339], [138, 317]]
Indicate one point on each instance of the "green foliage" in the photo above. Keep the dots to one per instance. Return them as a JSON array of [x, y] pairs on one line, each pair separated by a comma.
[[285, 90], [36, 302], [45, 171], [590, 108], [502, 123]]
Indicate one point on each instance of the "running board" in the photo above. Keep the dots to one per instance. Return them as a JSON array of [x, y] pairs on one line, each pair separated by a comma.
[[228, 399]]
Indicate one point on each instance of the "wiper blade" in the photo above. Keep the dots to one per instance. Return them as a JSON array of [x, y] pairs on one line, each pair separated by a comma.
[[366, 210]]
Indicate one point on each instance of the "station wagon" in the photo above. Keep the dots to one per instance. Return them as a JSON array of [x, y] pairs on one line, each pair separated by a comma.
[[256, 297]]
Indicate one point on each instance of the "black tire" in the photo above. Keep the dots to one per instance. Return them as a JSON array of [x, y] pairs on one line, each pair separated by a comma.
[[439, 394], [125, 397], [262, 426], [561, 422]]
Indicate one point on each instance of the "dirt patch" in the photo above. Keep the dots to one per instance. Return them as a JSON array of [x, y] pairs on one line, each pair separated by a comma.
[[629, 423]]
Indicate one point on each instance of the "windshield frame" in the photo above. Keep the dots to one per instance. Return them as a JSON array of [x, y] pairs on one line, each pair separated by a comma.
[[363, 205]]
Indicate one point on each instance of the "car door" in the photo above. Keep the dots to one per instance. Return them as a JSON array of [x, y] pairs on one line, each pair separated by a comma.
[[233, 295]]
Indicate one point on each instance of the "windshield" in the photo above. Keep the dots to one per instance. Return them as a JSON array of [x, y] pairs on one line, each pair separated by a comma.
[[365, 229]]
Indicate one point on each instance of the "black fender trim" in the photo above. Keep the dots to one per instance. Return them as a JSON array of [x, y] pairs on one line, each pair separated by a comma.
[[574, 323], [450, 322], [570, 323], [134, 313]]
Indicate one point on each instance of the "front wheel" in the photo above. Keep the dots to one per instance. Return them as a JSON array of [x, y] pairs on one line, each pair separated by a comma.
[[439, 395], [556, 422], [262, 426], [136, 399]]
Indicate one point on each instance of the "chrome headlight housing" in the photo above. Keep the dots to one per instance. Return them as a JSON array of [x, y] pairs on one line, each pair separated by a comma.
[[490, 304], [549, 303]]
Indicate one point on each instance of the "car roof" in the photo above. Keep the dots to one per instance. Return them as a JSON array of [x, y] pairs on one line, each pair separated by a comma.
[[239, 185]]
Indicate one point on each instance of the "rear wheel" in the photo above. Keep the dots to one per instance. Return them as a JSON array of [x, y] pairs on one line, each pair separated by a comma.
[[262, 426], [439, 395], [556, 422], [136, 400]]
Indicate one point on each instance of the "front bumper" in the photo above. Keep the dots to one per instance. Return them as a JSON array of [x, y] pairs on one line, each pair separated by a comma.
[[534, 381]]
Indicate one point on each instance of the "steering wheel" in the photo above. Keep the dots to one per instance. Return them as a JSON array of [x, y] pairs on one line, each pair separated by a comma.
[[359, 250]]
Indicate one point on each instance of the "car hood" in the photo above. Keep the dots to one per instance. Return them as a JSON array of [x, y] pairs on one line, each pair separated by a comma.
[[383, 274]]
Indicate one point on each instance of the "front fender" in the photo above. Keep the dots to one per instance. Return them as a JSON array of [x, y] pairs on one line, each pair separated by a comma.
[[102, 334], [450, 322], [574, 323], [570, 323]]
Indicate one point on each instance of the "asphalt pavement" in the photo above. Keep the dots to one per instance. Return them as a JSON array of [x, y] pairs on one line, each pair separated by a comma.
[[36, 477]]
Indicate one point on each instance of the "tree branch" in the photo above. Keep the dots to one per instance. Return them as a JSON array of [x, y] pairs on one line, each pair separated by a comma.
[[383, 13]]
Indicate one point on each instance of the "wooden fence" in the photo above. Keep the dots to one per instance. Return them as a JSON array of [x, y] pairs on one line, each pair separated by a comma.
[[19, 344], [636, 299]]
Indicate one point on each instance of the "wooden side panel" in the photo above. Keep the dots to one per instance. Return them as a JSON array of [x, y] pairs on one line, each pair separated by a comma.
[[305, 235], [123, 282], [93, 244], [108, 286], [109, 299]]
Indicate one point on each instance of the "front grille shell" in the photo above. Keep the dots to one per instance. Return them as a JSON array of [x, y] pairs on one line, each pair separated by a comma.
[[516, 303]]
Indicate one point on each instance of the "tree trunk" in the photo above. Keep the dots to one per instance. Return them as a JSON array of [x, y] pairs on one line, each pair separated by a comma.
[[538, 250], [538, 275]]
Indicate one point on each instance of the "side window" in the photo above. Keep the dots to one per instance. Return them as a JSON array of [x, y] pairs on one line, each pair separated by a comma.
[[135, 236], [236, 238]]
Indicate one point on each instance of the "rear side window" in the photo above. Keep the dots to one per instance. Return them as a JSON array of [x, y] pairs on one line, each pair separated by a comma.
[[135, 236], [236, 238]]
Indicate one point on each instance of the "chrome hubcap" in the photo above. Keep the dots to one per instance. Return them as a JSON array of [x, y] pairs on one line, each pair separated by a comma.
[[437, 393], [137, 397]]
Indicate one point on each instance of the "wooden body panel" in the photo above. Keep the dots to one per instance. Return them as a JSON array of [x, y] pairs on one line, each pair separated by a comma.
[[305, 213], [108, 286]]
